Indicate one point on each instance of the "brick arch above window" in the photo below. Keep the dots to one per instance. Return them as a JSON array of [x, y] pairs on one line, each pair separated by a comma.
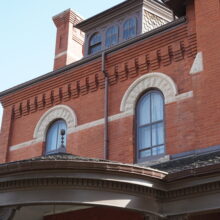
[[151, 80], [58, 112]]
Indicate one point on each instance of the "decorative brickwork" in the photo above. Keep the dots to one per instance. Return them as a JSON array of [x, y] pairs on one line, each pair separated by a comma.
[[67, 16], [181, 59], [80, 86], [151, 80], [57, 112]]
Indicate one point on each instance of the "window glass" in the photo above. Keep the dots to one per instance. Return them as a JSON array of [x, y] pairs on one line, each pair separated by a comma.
[[150, 125], [144, 107], [111, 36], [130, 28], [157, 134], [95, 43], [156, 107], [144, 137], [54, 139]]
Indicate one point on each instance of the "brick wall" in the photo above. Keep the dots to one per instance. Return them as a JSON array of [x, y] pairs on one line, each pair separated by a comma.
[[190, 123]]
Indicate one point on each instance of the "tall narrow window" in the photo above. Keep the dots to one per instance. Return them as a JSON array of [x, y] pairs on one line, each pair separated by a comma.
[[130, 28], [150, 125], [95, 43], [56, 137], [111, 36]]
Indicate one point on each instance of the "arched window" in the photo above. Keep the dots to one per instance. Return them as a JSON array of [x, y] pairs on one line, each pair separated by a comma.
[[150, 125], [56, 137], [95, 43], [111, 36], [130, 28]]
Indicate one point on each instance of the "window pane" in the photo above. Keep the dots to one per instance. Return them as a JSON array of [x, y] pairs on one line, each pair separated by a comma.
[[95, 43], [95, 39], [53, 140], [150, 124], [132, 32], [111, 36], [144, 110], [156, 106], [129, 28], [158, 150], [114, 39], [62, 125], [95, 48], [146, 153], [154, 151], [161, 149], [157, 134], [144, 137]]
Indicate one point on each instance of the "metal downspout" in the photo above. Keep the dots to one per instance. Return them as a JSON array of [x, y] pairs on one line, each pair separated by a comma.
[[106, 138]]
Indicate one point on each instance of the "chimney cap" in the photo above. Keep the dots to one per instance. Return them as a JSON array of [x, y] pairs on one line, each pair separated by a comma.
[[68, 15]]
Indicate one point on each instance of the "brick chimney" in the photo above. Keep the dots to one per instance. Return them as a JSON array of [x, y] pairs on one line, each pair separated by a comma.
[[69, 40]]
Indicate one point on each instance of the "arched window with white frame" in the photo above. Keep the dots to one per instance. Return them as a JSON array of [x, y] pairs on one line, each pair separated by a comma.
[[150, 125], [56, 137]]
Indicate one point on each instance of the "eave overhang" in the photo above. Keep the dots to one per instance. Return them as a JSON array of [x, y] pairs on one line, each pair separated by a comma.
[[68, 179], [117, 11], [86, 60], [177, 6]]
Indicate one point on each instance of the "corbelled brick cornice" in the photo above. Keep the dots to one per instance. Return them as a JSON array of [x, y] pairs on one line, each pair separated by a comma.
[[65, 17]]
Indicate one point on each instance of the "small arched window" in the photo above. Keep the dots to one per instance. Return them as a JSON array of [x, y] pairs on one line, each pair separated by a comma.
[[130, 28], [95, 43], [56, 137], [111, 36], [150, 125]]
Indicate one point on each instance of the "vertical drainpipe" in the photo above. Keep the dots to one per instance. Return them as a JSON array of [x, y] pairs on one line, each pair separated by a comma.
[[106, 138]]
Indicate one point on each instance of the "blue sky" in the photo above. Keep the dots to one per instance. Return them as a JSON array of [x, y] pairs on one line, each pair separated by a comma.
[[27, 39]]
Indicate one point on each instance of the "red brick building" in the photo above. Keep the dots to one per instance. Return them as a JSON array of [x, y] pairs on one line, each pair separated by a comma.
[[126, 125]]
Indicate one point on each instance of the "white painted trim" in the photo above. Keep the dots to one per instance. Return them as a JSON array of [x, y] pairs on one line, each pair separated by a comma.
[[25, 144], [86, 126], [150, 80], [73, 130], [61, 54], [120, 116], [59, 111], [99, 122], [160, 12], [198, 65], [71, 55], [183, 96]]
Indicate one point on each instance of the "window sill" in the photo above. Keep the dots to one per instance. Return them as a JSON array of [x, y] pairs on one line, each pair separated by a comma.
[[59, 150], [149, 161]]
